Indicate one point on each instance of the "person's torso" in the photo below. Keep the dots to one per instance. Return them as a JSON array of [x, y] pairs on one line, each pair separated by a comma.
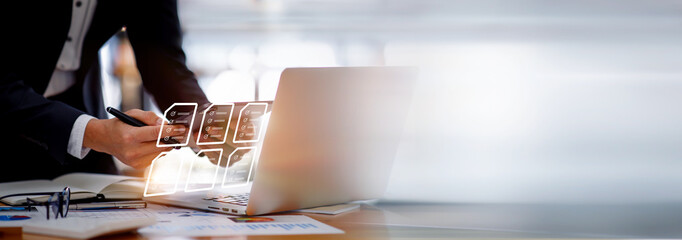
[[40, 40]]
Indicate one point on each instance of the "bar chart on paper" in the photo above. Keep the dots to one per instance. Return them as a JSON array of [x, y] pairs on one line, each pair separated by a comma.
[[190, 223], [303, 226]]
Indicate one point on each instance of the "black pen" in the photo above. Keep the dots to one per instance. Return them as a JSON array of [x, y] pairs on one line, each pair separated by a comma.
[[132, 121], [125, 118]]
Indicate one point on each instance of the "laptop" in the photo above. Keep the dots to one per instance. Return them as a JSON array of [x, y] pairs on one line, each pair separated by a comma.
[[331, 138]]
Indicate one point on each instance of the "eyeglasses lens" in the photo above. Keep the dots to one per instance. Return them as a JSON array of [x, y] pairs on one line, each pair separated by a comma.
[[54, 205], [67, 198]]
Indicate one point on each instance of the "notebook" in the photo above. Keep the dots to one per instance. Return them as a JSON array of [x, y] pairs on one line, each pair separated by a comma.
[[83, 186]]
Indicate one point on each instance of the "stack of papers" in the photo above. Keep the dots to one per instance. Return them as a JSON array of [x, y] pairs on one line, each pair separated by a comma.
[[191, 223], [158, 220]]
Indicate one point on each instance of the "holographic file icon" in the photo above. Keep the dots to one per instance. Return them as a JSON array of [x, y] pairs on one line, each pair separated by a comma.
[[177, 114], [250, 123], [240, 165], [203, 170], [215, 124], [168, 170], [163, 178]]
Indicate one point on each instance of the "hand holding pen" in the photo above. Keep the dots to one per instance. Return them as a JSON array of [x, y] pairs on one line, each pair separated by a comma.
[[133, 145]]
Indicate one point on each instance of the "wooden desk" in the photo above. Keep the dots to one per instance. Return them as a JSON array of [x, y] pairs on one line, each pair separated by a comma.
[[368, 222], [350, 222], [446, 221]]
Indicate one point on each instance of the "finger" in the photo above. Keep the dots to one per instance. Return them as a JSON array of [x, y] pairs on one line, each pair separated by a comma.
[[144, 149], [142, 155], [149, 118], [173, 130], [184, 120], [151, 133], [144, 161]]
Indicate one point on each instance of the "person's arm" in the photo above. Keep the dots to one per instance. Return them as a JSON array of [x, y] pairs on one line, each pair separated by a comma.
[[49, 124], [26, 113], [46, 123], [155, 35]]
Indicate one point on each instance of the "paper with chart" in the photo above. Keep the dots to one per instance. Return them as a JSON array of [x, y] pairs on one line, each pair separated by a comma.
[[170, 221], [80, 224], [180, 222]]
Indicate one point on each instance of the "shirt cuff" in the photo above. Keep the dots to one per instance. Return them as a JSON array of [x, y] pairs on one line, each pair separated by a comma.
[[75, 146]]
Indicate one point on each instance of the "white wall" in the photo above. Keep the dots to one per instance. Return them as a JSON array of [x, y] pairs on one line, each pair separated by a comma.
[[518, 101]]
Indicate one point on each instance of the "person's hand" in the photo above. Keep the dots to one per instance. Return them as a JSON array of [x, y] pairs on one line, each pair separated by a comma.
[[134, 146]]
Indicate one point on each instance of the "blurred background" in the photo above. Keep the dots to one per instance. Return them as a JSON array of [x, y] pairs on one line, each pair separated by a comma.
[[521, 101]]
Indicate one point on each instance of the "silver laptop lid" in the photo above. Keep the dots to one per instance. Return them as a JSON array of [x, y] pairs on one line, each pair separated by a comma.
[[332, 136]]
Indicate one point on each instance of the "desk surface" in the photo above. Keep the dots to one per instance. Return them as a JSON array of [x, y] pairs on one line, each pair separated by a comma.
[[414, 220]]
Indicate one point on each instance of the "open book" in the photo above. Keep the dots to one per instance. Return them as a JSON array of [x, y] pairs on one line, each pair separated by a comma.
[[83, 186]]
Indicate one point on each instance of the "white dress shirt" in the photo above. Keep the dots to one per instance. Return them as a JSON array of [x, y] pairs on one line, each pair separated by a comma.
[[64, 75]]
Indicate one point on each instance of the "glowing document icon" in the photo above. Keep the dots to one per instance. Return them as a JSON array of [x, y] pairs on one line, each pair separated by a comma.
[[177, 114], [203, 170], [199, 172], [163, 175], [215, 123], [241, 161], [250, 123]]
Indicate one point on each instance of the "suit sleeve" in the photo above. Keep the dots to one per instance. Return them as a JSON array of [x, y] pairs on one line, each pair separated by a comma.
[[34, 44], [156, 38], [31, 116]]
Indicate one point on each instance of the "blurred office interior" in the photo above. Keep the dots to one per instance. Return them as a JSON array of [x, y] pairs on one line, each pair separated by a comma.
[[522, 101]]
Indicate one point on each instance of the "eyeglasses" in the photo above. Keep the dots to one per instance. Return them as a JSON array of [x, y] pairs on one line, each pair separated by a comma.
[[57, 203]]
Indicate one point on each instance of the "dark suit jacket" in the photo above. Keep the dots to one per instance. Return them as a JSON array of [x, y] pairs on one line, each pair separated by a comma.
[[38, 129]]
